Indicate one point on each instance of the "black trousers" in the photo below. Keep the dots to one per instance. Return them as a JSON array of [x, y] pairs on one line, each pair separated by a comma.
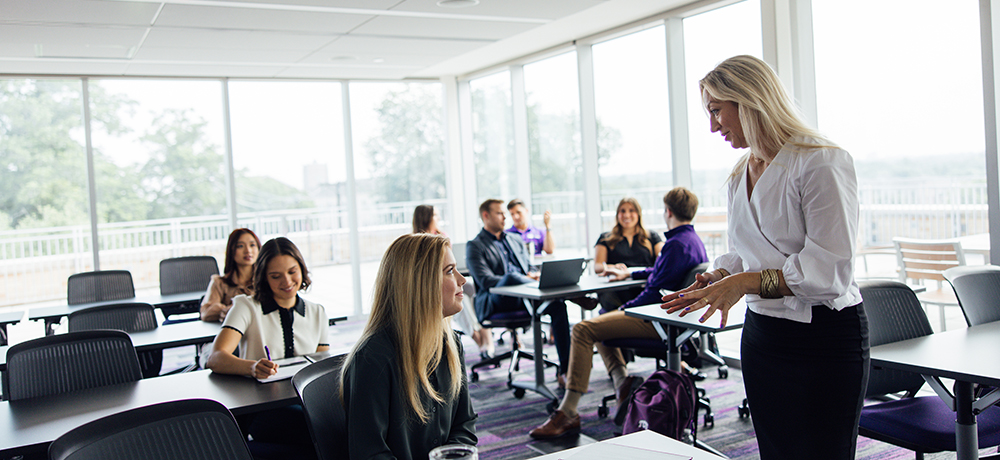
[[806, 382]]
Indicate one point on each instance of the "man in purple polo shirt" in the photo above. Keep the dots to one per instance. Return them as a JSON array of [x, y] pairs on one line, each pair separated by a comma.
[[542, 239]]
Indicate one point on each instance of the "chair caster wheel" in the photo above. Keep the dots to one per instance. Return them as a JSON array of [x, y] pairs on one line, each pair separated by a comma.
[[723, 373], [709, 420], [552, 406], [474, 377], [603, 412], [744, 409], [519, 393]]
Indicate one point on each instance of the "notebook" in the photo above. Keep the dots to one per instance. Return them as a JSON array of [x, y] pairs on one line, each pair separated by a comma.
[[557, 273]]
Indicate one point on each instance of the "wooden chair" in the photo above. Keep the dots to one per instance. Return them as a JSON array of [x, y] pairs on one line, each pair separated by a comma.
[[926, 260]]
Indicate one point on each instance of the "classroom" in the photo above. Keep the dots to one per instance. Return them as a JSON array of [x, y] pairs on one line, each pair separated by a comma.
[[138, 131]]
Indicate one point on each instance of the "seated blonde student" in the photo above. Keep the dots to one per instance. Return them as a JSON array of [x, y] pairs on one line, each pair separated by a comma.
[[403, 385], [275, 323]]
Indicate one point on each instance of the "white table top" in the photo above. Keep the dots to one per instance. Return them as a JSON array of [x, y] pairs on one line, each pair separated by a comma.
[[650, 440], [690, 321], [587, 285]]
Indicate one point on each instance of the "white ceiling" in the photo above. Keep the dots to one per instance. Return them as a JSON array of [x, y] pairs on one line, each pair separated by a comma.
[[358, 39]]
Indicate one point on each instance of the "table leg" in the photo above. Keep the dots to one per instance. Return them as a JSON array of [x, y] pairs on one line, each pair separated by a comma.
[[536, 329], [966, 434]]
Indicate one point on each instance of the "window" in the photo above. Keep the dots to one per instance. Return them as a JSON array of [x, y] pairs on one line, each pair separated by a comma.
[[493, 138], [902, 92], [634, 157], [399, 162], [44, 210], [556, 161], [288, 155]]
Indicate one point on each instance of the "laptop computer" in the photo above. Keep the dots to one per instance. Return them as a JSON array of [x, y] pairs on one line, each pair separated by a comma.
[[557, 273], [459, 250]]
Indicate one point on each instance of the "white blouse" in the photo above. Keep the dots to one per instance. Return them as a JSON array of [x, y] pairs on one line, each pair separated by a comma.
[[310, 329], [802, 219]]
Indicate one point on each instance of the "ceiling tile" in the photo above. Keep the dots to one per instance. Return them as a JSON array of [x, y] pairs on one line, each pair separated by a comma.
[[359, 44], [441, 28], [74, 67], [67, 41], [149, 53], [170, 70], [234, 39], [549, 9], [79, 12], [212, 17]]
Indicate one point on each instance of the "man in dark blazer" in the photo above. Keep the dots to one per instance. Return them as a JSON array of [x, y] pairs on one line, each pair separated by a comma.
[[498, 258]]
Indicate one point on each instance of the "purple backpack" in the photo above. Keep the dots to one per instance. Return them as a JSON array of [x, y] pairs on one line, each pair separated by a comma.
[[665, 403]]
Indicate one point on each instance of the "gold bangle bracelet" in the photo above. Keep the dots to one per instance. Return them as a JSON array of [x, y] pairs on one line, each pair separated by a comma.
[[723, 272], [769, 284]]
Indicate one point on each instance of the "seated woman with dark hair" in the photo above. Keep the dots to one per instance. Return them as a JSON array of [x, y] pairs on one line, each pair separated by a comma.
[[627, 246], [236, 278], [426, 219], [403, 385], [273, 324]]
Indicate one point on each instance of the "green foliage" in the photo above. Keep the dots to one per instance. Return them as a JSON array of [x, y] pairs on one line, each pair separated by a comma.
[[261, 193], [407, 157]]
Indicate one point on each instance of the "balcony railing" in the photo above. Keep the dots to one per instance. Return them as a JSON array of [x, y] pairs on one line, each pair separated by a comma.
[[34, 264]]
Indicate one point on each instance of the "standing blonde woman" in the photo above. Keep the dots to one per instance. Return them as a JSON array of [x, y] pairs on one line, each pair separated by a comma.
[[404, 389], [793, 218]]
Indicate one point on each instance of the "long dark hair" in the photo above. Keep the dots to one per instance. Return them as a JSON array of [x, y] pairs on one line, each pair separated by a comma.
[[279, 246], [617, 233], [229, 269], [422, 217]]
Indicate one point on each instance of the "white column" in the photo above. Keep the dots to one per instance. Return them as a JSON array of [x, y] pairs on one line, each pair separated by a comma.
[[522, 155], [95, 242], [588, 137], [230, 169], [680, 146], [453, 169], [469, 195], [989, 15], [788, 48], [352, 197]]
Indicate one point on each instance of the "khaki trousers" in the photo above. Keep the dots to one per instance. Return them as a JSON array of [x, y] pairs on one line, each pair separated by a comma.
[[588, 334]]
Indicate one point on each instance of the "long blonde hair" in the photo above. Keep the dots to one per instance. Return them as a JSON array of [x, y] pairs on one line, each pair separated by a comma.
[[617, 233], [768, 116], [407, 304]]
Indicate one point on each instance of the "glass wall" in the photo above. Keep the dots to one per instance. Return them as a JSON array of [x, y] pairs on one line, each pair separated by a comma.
[[399, 162], [159, 171], [44, 206], [903, 93], [712, 158], [633, 123], [288, 156], [493, 138], [555, 157]]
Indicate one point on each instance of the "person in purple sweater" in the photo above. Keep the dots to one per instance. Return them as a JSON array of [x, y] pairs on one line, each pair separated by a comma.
[[682, 251]]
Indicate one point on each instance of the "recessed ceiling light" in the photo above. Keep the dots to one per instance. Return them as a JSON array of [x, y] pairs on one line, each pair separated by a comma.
[[457, 3]]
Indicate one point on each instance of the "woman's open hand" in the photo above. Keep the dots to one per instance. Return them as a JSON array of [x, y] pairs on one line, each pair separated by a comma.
[[709, 290]]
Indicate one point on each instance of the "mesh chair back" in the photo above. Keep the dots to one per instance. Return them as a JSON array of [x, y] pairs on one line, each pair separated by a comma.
[[318, 386], [192, 429], [62, 363], [128, 317], [689, 279], [186, 274], [894, 314], [978, 292], [99, 286]]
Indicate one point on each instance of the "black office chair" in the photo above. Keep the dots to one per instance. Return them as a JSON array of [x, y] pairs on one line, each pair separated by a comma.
[[510, 323], [655, 349], [193, 429], [62, 363], [185, 274], [127, 317], [922, 424], [318, 386], [978, 292], [894, 314], [99, 286]]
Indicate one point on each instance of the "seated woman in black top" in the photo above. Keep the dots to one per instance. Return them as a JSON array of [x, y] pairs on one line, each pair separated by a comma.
[[404, 389], [628, 244]]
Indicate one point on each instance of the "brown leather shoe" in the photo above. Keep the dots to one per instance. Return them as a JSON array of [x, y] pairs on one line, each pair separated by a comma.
[[557, 425], [627, 387]]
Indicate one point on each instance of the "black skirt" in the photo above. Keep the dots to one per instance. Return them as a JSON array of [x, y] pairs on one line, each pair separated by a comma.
[[805, 382]]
